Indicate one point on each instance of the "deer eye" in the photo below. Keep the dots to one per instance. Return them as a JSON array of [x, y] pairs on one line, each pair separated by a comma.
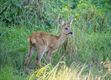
[[66, 28]]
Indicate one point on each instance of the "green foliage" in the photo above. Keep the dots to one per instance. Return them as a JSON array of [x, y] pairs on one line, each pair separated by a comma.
[[8, 73], [94, 48], [13, 43], [90, 43]]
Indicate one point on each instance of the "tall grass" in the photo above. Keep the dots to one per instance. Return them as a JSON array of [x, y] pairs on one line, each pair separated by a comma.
[[63, 72], [90, 44], [9, 73], [80, 48]]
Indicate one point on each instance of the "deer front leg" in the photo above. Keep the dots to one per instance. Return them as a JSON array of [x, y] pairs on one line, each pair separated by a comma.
[[49, 56], [39, 56]]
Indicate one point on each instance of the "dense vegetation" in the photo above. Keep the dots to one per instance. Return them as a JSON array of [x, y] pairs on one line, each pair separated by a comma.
[[82, 53]]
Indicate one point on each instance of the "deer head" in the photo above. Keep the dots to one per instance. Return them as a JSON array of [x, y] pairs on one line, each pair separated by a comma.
[[66, 26]]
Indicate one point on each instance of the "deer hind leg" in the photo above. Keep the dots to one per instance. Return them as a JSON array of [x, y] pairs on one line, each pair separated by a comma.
[[31, 50]]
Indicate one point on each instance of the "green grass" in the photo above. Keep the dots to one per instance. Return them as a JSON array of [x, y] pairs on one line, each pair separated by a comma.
[[81, 54], [82, 47], [9, 73]]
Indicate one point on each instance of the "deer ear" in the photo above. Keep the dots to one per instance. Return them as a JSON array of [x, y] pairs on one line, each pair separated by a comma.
[[61, 22], [70, 20]]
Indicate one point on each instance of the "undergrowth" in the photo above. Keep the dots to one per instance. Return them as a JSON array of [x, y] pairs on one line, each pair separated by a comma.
[[87, 48]]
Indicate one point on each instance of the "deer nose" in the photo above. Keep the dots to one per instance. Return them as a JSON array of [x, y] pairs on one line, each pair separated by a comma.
[[70, 32]]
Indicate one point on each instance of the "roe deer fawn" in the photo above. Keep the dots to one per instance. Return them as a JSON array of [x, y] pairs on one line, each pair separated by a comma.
[[45, 42]]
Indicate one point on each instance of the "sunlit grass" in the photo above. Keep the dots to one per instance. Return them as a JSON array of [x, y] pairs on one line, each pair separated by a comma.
[[63, 72]]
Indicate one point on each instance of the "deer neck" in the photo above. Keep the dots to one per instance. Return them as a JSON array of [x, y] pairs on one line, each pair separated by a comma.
[[61, 39]]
